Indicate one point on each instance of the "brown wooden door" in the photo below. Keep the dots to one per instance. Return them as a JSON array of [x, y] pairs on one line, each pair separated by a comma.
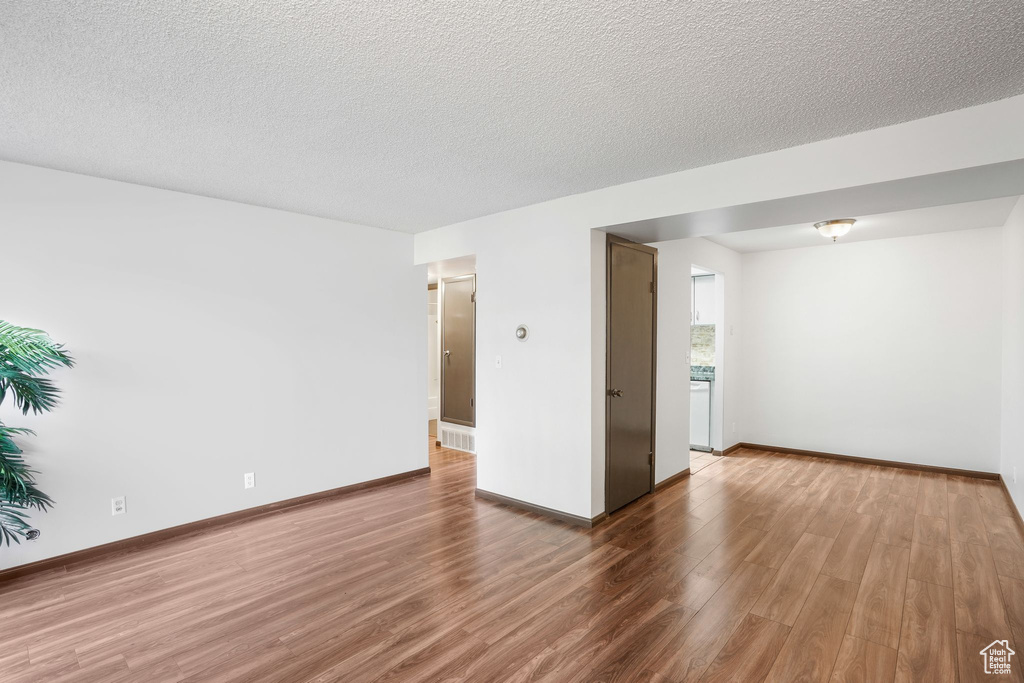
[[632, 322], [458, 350]]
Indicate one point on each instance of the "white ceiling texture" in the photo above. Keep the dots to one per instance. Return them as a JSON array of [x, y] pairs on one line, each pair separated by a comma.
[[414, 114], [988, 213]]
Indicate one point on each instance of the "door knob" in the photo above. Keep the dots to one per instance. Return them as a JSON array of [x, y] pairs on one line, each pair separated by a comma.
[[447, 355], [615, 392]]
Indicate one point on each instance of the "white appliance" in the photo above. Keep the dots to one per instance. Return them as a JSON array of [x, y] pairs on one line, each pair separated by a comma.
[[700, 416]]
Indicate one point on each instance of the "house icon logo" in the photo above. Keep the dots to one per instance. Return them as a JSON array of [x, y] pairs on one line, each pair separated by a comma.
[[997, 657]]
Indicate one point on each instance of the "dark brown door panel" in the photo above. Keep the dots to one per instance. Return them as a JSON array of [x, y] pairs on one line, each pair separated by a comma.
[[632, 308], [458, 350]]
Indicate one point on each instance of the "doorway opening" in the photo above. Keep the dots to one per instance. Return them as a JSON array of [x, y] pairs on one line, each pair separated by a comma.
[[433, 362], [706, 356], [451, 354]]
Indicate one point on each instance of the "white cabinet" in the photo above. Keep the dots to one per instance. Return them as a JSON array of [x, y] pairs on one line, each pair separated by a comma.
[[700, 416], [703, 309]]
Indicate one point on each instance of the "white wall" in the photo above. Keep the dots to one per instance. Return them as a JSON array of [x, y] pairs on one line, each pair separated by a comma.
[[212, 339], [1013, 355], [534, 414], [146, 285], [533, 260], [433, 357], [533, 420], [599, 366], [887, 349], [675, 261]]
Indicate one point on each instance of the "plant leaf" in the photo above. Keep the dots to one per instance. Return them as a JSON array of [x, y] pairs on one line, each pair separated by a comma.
[[31, 351], [37, 394]]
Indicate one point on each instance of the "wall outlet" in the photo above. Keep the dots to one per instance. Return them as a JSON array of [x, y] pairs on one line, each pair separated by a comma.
[[497, 362], [250, 480], [118, 506]]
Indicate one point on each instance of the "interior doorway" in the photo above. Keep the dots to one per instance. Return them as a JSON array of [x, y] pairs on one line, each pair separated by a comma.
[[433, 363], [632, 277], [706, 356], [458, 350], [451, 354]]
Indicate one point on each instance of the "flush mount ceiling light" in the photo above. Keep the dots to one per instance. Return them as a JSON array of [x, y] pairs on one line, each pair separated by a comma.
[[835, 228]]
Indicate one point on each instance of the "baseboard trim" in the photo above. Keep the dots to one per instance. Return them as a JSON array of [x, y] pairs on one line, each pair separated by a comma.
[[585, 522], [874, 461], [1016, 510], [678, 476], [732, 449], [136, 542]]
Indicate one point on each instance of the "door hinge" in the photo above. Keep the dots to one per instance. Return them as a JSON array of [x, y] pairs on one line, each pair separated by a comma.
[[650, 458], [472, 297], [472, 403], [654, 287]]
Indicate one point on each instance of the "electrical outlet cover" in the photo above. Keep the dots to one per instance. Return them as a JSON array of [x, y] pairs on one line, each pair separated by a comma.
[[250, 480], [118, 506]]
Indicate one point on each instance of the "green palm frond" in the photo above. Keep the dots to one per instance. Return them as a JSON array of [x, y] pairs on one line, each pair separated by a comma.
[[7, 444], [26, 356], [15, 478], [31, 351], [13, 524], [38, 394], [18, 491], [17, 484]]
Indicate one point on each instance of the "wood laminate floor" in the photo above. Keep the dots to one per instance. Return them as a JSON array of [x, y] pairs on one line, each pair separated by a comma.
[[699, 460], [759, 567]]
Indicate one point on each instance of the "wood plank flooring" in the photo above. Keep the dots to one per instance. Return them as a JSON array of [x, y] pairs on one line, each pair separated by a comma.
[[699, 460], [758, 567]]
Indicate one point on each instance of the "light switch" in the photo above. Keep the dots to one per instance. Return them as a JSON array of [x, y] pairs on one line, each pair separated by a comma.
[[497, 362]]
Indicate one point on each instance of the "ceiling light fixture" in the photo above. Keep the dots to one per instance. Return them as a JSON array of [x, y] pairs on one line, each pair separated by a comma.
[[835, 228]]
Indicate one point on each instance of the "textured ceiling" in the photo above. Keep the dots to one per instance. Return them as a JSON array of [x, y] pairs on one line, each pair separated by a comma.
[[988, 213], [414, 114]]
